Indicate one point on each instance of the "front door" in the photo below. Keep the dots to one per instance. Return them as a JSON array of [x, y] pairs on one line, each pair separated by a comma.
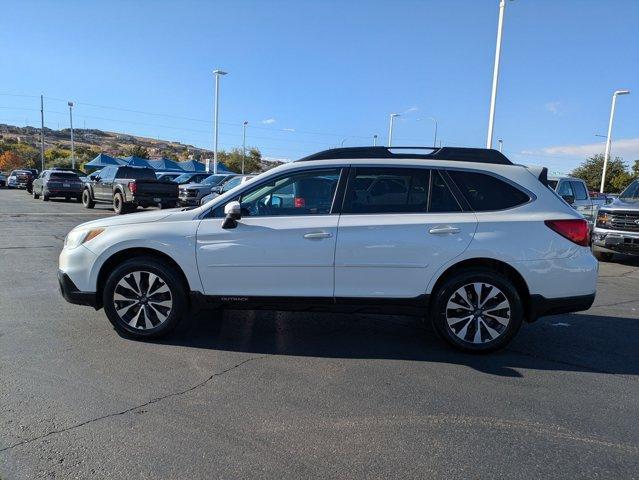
[[284, 244], [397, 228]]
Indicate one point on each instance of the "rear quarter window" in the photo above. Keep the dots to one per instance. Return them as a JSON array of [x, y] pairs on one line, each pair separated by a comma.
[[487, 193]]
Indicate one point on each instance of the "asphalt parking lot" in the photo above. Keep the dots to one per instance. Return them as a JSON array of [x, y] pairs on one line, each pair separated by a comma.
[[289, 395]]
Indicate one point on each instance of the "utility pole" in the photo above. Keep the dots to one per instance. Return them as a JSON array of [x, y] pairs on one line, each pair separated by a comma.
[[501, 145], [493, 95], [375, 140], [42, 132], [244, 144], [72, 145]]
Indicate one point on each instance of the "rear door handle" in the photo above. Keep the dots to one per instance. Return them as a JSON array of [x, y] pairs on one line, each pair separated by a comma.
[[443, 230], [317, 235]]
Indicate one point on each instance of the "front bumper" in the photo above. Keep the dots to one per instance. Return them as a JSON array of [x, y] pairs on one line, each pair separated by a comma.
[[72, 295], [616, 241]]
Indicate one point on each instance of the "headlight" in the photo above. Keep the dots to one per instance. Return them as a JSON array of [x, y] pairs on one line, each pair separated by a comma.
[[78, 236], [604, 219]]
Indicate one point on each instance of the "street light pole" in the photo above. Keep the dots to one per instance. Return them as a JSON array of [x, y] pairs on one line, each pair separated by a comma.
[[501, 145], [72, 145], [390, 128], [493, 95], [244, 144], [608, 139], [375, 140], [42, 132], [217, 74]]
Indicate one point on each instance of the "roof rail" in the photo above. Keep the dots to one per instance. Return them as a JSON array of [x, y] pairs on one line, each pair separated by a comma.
[[460, 154]]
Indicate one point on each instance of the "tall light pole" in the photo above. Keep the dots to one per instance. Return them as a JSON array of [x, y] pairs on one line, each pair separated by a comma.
[[493, 95], [42, 132], [501, 145], [217, 74], [390, 128], [608, 139], [72, 145], [375, 140], [244, 144], [435, 121]]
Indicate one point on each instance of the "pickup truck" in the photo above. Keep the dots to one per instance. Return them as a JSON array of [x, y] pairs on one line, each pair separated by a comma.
[[128, 188], [617, 226], [575, 192]]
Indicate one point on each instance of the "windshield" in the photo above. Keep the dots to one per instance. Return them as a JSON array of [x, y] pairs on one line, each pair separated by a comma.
[[631, 193], [185, 177], [213, 179]]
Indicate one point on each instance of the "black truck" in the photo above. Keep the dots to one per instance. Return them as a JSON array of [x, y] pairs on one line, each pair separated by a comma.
[[128, 188]]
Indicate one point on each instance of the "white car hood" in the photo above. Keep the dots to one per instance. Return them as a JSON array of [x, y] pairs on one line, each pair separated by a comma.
[[142, 217]]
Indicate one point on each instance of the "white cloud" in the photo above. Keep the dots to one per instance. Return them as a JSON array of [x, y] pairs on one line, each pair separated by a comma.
[[553, 107], [410, 110], [269, 121], [289, 129], [628, 148]]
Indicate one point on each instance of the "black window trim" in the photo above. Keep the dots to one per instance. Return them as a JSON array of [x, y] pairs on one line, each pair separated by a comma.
[[335, 204]]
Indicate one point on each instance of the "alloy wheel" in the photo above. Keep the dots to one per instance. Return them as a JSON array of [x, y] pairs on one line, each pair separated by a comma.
[[478, 313], [142, 300]]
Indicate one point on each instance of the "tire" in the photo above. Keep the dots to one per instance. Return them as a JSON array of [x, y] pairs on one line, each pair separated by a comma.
[[129, 306], [496, 327], [119, 206], [45, 197], [34, 194], [602, 256], [87, 201]]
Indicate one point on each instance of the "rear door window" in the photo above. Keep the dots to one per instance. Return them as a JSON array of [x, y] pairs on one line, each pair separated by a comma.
[[487, 193], [565, 189]]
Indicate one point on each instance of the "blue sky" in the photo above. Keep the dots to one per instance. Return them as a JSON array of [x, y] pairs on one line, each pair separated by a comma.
[[309, 75]]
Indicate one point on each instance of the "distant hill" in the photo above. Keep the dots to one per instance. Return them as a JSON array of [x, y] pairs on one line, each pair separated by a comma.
[[89, 142]]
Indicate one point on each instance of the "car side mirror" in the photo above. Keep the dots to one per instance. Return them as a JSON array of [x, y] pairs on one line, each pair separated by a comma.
[[569, 199], [233, 212], [216, 189], [96, 179]]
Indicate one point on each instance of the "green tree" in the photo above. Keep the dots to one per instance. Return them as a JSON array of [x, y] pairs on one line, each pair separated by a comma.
[[137, 151], [617, 176], [635, 169], [233, 160]]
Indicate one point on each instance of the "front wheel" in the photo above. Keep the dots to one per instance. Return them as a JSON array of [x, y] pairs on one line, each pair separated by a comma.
[[144, 298], [477, 311], [45, 197], [34, 194], [602, 256]]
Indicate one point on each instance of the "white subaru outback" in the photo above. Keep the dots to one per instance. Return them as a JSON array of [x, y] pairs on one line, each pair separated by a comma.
[[461, 236]]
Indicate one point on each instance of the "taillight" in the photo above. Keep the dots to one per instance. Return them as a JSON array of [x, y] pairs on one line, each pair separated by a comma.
[[299, 202], [576, 230], [133, 187]]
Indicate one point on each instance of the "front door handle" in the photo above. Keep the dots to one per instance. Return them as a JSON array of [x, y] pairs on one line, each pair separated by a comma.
[[317, 235], [439, 230]]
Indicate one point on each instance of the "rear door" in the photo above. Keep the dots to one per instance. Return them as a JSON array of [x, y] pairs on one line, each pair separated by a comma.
[[103, 189], [397, 227]]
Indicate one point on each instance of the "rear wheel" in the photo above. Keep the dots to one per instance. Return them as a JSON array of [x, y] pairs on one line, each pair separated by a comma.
[[477, 311], [119, 207], [34, 194], [45, 197], [87, 201], [144, 298]]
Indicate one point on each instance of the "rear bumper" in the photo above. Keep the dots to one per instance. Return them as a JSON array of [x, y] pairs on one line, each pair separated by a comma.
[[72, 295], [64, 192], [541, 306], [148, 200]]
